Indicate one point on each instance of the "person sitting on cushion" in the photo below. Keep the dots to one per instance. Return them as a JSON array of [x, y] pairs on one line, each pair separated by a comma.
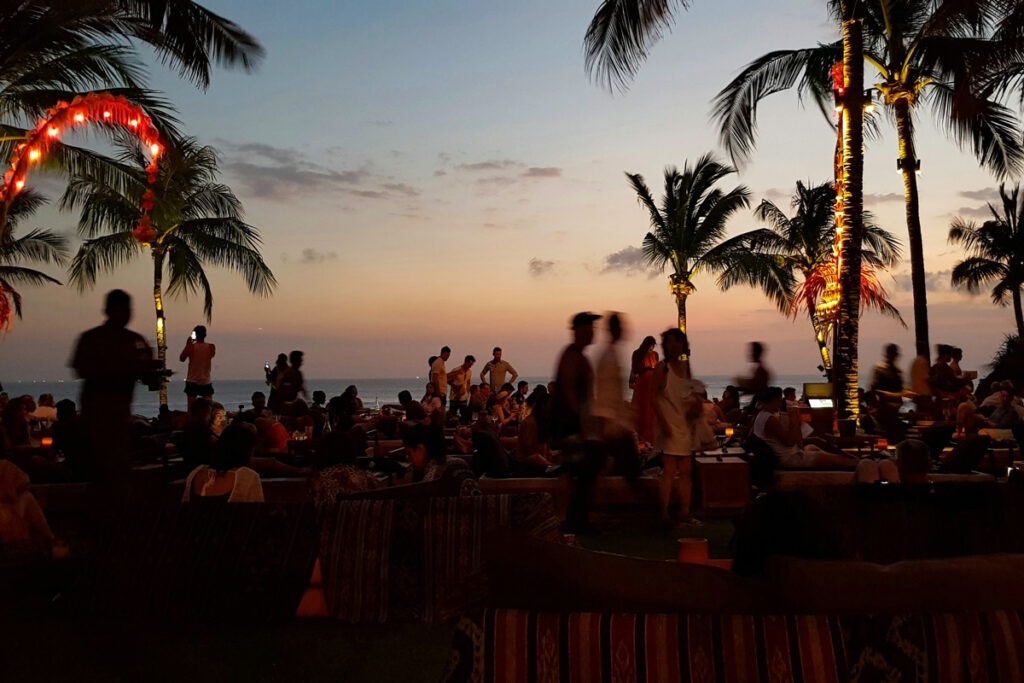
[[426, 450], [787, 442], [229, 477], [338, 474]]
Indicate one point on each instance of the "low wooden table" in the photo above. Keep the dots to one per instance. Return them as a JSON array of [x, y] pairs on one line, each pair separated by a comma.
[[722, 482]]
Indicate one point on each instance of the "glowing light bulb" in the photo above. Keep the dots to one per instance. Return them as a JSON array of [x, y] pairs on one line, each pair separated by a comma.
[[52, 131], [134, 123], [154, 149], [33, 154], [869, 109], [79, 118], [106, 114], [18, 184]]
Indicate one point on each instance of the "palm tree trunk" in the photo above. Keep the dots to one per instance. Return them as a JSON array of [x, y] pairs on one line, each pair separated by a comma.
[[908, 164], [1018, 313], [819, 337], [681, 310], [850, 223], [161, 336]]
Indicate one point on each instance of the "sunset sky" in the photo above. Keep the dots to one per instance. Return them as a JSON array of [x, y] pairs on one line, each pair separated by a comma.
[[445, 173]]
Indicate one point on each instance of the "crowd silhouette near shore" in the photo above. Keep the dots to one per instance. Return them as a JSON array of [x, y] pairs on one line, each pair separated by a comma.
[[465, 428]]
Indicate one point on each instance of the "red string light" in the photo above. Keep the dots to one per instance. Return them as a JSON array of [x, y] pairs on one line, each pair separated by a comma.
[[102, 108]]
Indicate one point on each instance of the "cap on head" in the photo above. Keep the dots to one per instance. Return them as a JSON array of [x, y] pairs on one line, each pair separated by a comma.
[[583, 320]]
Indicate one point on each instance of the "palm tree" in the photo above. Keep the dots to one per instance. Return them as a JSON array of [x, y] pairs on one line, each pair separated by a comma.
[[995, 254], [195, 222], [617, 42], [920, 51], [54, 50], [41, 246], [804, 245], [687, 233]]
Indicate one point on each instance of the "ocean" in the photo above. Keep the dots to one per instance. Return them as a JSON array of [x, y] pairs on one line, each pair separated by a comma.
[[235, 392]]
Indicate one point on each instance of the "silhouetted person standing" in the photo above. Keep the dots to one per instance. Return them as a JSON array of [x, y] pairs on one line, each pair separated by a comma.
[[572, 422], [199, 355], [110, 359]]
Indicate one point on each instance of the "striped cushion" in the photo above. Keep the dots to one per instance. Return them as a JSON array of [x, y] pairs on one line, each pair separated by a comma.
[[519, 646], [418, 559]]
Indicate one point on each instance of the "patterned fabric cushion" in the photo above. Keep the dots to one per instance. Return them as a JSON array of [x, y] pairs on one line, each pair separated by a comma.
[[419, 558], [513, 646]]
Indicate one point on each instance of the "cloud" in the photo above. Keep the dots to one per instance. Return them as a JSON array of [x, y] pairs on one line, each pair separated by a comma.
[[630, 261], [542, 172], [986, 194], [381, 123], [496, 181], [875, 198], [774, 194], [258, 149], [539, 268], [310, 255], [281, 174], [491, 165], [935, 281], [438, 174], [402, 188], [973, 211], [368, 194]]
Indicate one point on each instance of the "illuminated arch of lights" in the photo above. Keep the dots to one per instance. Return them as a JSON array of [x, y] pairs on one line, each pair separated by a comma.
[[101, 109]]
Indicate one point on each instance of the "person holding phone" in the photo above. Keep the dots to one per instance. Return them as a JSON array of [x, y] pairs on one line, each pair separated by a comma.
[[200, 355]]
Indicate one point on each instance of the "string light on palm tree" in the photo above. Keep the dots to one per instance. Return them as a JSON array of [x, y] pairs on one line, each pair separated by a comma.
[[94, 108], [101, 108]]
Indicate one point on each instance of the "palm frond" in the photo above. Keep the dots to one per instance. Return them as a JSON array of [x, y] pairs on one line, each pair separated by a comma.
[[976, 272], [190, 37], [17, 275], [102, 255], [620, 36], [734, 109], [37, 245], [988, 128]]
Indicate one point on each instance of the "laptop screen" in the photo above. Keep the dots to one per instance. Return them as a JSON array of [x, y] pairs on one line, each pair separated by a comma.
[[820, 402]]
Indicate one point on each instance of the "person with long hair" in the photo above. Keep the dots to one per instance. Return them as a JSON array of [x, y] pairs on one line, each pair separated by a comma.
[[427, 452], [677, 410], [643, 362], [228, 477]]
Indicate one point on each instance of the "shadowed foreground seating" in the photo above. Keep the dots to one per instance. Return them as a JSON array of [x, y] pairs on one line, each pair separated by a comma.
[[205, 560], [557, 613], [418, 558], [513, 645]]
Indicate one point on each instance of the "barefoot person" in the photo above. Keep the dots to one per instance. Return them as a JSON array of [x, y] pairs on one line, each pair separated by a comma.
[[676, 412]]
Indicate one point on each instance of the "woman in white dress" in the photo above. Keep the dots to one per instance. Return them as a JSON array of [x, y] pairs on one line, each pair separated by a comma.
[[678, 413]]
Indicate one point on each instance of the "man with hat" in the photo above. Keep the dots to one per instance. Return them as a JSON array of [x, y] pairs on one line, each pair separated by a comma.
[[570, 416]]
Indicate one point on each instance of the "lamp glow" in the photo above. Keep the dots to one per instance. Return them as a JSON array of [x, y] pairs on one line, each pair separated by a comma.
[[52, 131], [79, 118], [33, 154]]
